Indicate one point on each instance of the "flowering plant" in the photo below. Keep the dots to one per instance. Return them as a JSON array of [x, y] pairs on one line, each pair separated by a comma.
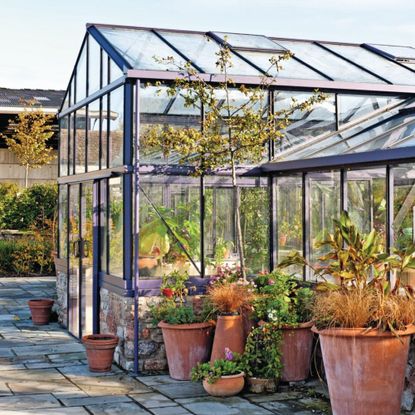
[[231, 365]]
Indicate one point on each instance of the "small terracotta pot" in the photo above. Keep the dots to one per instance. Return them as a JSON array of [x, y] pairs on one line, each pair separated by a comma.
[[229, 333], [147, 262], [365, 370], [41, 309], [100, 351], [297, 346], [261, 385], [226, 385], [186, 346]]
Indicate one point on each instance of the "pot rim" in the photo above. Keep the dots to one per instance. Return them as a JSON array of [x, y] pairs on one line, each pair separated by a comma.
[[238, 375], [229, 316], [100, 339], [41, 302], [362, 332], [187, 326], [306, 325]]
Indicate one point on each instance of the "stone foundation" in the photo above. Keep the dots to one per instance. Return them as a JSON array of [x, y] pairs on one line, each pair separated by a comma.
[[62, 297]]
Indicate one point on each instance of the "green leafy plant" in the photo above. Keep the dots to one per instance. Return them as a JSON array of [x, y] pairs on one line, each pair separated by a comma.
[[262, 356], [355, 290], [231, 365], [281, 299], [174, 285]]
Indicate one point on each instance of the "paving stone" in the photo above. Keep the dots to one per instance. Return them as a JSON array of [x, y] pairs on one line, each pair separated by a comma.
[[224, 406], [286, 408], [172, 410], [117, 409], [31, 375], [53, 349], [6, 366], [61, 357], [111, 385], [45, 365], [51, 411], [83, 401], [152, 400], [181, 390], [75, 372], [4, 389], [28, 402], [40, 386], [6, 352], [158, 380], [282, 396]]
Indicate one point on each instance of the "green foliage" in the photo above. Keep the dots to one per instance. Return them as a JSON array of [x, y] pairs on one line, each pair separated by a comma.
[[23, 209], [262, 356], [176, 283], [281, 299], [172, 313], [220, 367]]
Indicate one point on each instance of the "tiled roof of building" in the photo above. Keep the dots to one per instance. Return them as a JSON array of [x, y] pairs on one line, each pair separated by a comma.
[[47, 98]]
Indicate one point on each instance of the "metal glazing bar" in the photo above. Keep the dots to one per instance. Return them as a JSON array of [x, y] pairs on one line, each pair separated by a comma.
[[306, 205], [96, 255]]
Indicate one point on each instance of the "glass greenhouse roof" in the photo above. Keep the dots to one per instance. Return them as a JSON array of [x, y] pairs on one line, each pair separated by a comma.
[[144, 48]]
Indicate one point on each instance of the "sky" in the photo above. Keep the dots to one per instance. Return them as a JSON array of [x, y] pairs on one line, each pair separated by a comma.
[[40, 39]]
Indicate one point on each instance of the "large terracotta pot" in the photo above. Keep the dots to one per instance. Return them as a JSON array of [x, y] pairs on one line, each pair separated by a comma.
[[186, 346], [226, 385], [40, 309], [365, 371], [100, 351], [230, 334], [297, 345]]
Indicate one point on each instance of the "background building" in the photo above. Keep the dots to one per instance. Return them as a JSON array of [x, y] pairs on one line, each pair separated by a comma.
[[11, 104]]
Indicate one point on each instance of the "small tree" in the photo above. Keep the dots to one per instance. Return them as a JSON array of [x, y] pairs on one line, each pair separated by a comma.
[[233, 133], [30, 132]]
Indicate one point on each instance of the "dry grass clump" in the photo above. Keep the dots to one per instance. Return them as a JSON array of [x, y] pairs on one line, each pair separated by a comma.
[[363, 308], [229, 298]]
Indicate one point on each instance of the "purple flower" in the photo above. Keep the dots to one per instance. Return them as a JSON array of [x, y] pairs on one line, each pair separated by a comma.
[[228, 354]]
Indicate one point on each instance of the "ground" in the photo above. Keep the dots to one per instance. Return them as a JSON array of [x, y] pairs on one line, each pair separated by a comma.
[[43, 370]]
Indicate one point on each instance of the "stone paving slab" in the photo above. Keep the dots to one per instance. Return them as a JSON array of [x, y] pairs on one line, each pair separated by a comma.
[[43, 371]]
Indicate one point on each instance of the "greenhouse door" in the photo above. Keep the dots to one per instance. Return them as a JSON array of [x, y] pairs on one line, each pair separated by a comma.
[[80, 292]]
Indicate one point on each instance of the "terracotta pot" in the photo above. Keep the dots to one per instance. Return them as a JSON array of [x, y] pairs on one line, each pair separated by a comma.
[[297, 346], [229, 333], [282, 240], [226, 385], [186, 346], [261, 385], [100, 351], [147, 262], [365, 371], [41, 309]]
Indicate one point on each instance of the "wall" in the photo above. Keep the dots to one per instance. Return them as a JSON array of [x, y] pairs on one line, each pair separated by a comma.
[[11, 172]]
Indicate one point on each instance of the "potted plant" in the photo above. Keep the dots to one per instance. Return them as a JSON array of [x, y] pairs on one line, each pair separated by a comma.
[[100, 351], [229, 295], [283, 231], [282, 301], [187, 337], [41, 309], [364, 321], [223, 377], [262, 358]]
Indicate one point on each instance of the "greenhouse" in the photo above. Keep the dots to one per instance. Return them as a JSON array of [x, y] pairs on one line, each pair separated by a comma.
[[128, 214]]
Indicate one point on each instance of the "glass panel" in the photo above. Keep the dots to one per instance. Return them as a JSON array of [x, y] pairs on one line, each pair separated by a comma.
[[93, 136], [74, 235], [72, 92], [115, 71], [248, 41], [80, 147], [71, 142], [66, 102], [64, 146], [63, 221], [352, 107], [290, 218], [81, 77], [331, 65], [324, 207], [94, 70], [321, 119], [375, 63], [290, 68], [105, 65], [116, 127], [203, 52], [169, 225], [399, 52], [366, 199], [403, 205], [220, 226], [139, 47], [103, 210], [104, 132], [159, 109], [115, 227]]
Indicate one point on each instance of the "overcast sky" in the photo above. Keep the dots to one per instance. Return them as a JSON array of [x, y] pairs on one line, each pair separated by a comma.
[[41, 38]]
